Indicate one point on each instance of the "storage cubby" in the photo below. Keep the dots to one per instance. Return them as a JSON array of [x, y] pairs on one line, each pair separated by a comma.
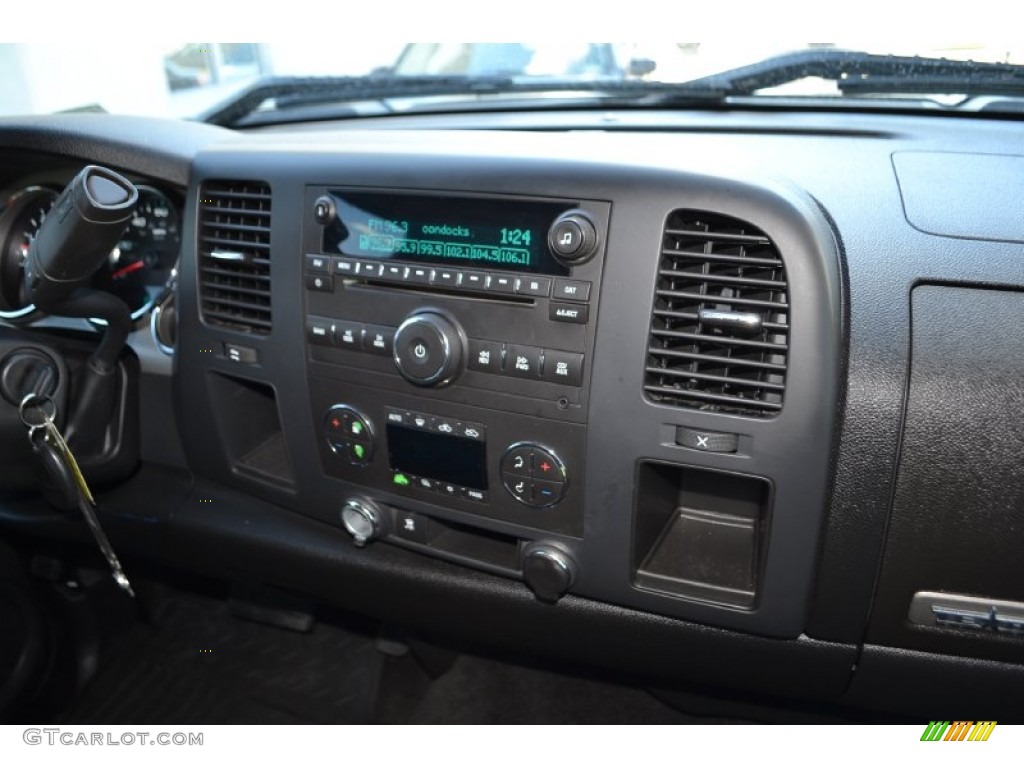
[[250, 428], [697, 532]]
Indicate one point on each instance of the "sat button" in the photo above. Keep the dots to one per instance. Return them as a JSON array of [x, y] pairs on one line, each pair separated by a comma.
[[572, 290]]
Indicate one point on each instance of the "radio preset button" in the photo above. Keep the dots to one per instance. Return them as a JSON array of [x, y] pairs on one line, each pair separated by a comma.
[[370, 269], [523, 362], [501, 283], [323, 283], [485, 356], [563, 367], [572, 290], [348, 335], [568, 313], [446, 277], [419, 275], [533, 286], [394, 271], [473, 281]]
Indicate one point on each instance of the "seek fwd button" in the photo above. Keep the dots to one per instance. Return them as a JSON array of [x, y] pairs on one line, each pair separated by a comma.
[[568, 313]]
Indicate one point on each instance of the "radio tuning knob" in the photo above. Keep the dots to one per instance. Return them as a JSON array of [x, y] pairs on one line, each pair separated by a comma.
[[428, 349], [573, 237], [549, 571]]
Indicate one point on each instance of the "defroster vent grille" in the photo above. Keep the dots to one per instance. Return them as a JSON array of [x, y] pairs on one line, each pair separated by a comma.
[[234, 255], [720, 322]]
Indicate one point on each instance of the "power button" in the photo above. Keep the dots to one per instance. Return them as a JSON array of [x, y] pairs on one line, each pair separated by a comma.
[[427, 349], [324, 210]]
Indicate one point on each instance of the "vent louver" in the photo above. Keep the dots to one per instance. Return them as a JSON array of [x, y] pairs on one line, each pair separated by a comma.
[[234, 255], [720, 322]]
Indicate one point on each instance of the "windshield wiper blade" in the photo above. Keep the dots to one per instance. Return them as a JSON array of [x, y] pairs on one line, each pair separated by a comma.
[[291, 92], [854, 72]]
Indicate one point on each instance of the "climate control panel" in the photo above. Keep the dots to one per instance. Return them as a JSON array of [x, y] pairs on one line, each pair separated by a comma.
[[463, 459], [533, 474]]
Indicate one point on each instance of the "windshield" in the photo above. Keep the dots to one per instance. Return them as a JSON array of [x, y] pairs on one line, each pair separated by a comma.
[[187, 80]]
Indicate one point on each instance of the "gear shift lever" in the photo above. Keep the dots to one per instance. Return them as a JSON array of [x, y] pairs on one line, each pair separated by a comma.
[[72, 243]]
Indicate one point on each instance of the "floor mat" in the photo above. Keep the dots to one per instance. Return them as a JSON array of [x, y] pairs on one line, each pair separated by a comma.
[[194, 663], [480, 690]]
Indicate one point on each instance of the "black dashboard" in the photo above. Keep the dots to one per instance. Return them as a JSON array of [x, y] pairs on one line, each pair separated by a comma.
[[719, 398]]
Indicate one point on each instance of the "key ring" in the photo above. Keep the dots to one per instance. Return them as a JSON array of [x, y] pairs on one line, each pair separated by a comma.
[[33, 403]]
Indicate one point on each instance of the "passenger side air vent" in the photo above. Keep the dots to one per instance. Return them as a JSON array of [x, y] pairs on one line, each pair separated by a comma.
[[234, 255], [720, 323]]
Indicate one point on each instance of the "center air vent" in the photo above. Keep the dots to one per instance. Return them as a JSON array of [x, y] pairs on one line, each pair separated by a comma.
[[234, 255], [720, 323]]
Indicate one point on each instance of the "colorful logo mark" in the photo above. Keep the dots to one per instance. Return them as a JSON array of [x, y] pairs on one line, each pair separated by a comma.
[[958, 730]]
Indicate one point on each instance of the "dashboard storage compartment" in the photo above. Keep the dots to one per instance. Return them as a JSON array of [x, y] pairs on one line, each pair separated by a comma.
[[250, 428], [697, 533]]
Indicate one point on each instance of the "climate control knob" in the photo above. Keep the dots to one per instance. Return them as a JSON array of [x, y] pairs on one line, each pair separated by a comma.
[[428, 349]]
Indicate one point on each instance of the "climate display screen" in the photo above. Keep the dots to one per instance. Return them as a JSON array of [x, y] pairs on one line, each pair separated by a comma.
[[457, 460], [508, 235]]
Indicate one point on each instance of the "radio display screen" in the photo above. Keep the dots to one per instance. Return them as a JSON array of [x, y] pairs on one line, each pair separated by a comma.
[[457, 460], [508, 235]]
